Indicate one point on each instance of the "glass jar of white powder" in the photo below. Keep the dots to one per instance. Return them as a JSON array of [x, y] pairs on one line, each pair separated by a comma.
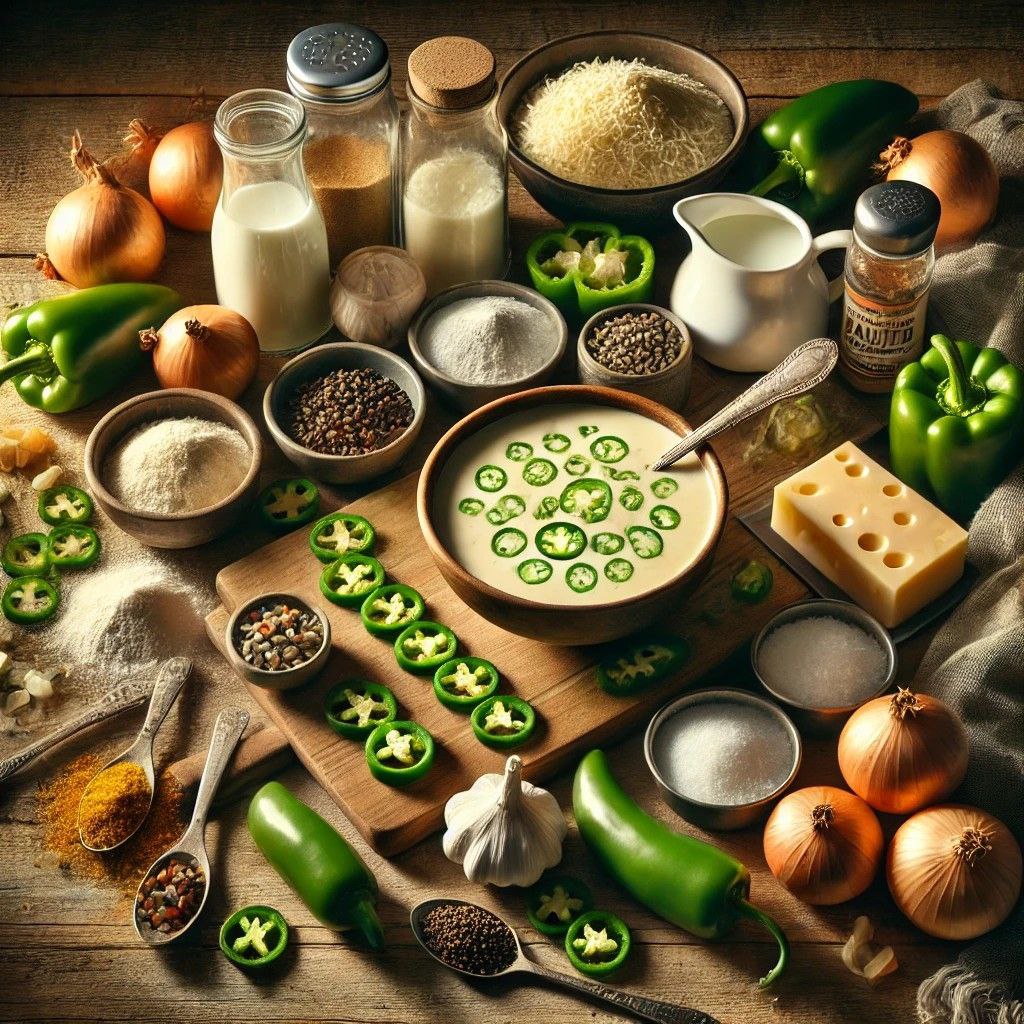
[[454, 166]]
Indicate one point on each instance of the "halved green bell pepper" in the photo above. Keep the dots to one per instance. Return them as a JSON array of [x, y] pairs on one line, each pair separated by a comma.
[[65, 352], [552, 259], [956, 423], [599, 287], [815, 153]]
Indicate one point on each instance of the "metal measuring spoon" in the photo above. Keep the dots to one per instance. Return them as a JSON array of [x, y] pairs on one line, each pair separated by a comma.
[[227, 731], [170, 679], [804, 368], [640, 1006]]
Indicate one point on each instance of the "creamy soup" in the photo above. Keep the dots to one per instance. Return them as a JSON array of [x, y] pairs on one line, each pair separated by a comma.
[[559, 504]]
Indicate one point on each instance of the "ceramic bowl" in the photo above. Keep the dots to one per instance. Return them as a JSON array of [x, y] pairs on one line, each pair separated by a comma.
[[466, 397], [634, 209], [289, 678], [670, 386], [825, 721], [553, 623], [166, 530], [323, 359], [719, 817]]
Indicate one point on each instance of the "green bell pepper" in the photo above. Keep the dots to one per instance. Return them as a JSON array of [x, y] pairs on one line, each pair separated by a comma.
[[553, 257], [689, 883], [956, 423], [815, 154], [66, 352], [319, 865]]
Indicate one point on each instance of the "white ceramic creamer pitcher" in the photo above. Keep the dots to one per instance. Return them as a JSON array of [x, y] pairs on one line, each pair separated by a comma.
[[751, 289]]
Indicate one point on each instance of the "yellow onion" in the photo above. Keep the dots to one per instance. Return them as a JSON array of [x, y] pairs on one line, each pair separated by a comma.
[[903, 752], [958, 170], [823, 844], [103, 232], [185, 176], [955, 871], [206, 347]]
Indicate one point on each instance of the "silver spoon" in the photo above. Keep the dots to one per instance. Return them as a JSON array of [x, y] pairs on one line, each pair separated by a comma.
[[804, 368], [646, 1009], [227, 731], [170, 679]]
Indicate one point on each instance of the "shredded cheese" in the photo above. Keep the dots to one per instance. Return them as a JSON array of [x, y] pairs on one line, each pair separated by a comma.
[[622, 124]]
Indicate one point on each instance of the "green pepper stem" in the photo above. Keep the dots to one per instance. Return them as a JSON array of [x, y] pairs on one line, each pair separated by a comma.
[[959, 394], [759, 917], [787, 171], [36, 360], [364, 914]]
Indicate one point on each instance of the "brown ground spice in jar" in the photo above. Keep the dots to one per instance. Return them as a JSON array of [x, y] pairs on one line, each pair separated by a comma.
[[57, 803], [351, 179], [114, 804]]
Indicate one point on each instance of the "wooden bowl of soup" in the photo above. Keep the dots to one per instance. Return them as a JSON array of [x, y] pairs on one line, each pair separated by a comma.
[[542, 513]]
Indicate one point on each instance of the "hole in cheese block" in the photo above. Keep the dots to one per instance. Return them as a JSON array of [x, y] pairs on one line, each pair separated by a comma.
[[892, 490], [903, 518], [897, 559], [855, 469], [841, 519], [806, 489], [842, 456], [871, 541]]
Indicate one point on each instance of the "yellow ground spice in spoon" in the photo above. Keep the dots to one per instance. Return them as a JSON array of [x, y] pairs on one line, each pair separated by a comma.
[[114, 804]]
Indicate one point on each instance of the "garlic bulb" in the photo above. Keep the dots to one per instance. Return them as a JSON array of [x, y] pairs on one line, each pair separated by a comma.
[[504, 831]]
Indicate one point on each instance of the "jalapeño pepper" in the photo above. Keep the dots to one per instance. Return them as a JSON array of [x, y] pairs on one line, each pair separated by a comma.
[[424, 646], [341, 533], [29, 599], [462, 683], [555, 902], [503, 721], [64, 504], [752, 582], [956, 423], [355, 707], [26, 555], [285, 504], [388, 610], [561, 540], [552, 260], [348, 580], [588, 498], [689, 883], [638, 662], [254, 936], [399, 753], [73, 547], [597, 943]]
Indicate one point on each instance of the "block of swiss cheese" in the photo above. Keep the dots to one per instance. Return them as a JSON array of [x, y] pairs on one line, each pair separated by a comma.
[[890, 549]]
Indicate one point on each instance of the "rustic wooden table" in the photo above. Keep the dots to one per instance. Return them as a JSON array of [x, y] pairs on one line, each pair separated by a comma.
[[67, 950]]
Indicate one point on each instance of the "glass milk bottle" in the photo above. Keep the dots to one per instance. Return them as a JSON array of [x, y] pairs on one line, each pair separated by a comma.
[[454, 166], [342, 75], [268, 236]]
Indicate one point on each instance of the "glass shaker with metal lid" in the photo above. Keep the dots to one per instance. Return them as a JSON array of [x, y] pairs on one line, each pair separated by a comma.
[[454, 165], [342, 75], [888, 275]]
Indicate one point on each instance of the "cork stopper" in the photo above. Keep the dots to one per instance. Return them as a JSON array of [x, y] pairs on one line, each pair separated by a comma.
[[451, 72]]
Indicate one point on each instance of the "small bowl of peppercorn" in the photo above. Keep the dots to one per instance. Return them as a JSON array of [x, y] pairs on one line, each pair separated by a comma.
[[278, 641], [345, 412], [639, 348]]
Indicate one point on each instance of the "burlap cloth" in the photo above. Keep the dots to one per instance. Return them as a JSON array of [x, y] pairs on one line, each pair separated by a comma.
[[976, 661]]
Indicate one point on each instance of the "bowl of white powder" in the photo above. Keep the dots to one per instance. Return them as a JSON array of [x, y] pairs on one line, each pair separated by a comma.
[[477, 342], [174, 468]]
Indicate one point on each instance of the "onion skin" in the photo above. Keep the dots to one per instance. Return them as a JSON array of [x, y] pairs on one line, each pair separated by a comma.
[[206, 347], [823, 844], [945, 881], [959, 171], [903, 752], [102, 232], [185, 176]]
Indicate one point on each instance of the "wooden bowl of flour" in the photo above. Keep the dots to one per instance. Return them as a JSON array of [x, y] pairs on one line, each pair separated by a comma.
[[172, 530]]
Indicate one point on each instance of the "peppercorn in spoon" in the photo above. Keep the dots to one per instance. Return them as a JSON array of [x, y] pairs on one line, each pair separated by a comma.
[[120, 794], [173, 891], [479, 944]]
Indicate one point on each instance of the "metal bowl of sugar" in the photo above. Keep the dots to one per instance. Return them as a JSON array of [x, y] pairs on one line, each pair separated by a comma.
[[720, 758], [822, 659]]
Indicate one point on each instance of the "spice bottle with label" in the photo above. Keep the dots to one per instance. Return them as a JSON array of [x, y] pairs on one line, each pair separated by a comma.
[[455, 165], [342, 75], [888, 273]]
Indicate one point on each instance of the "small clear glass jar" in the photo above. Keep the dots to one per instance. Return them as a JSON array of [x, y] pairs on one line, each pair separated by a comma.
[[268, 238], [454, 166], [342, 75]]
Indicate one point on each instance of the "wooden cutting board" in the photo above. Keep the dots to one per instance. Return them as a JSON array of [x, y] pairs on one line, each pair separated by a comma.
[[574, 713]]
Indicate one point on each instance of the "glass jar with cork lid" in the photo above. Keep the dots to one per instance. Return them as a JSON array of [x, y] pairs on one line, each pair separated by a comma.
[[888, 274], [342, 75], [454, 165]]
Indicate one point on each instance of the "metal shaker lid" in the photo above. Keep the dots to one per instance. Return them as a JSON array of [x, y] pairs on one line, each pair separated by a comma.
[[897, 218], [337, 63]]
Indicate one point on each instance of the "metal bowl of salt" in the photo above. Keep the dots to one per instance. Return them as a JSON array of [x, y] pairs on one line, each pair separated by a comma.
[[721, 758]]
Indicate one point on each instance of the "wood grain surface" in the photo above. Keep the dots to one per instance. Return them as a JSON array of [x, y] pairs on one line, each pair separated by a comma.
[[67, 949]]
